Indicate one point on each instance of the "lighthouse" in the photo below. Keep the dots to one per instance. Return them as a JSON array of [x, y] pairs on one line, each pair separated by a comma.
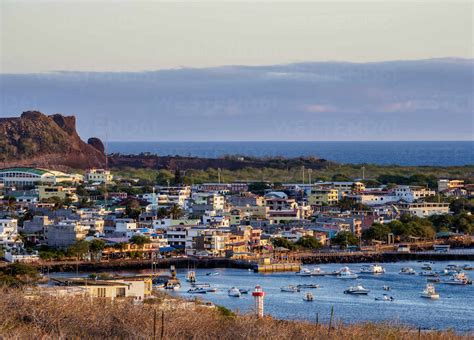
[[258, 294]]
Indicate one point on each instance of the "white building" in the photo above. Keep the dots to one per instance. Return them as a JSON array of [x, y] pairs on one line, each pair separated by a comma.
[[8, 230], [412, 193], [98, 176], [28, 177], [424, 209]]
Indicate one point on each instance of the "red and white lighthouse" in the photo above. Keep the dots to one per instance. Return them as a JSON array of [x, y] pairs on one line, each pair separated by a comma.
[[258, 294]]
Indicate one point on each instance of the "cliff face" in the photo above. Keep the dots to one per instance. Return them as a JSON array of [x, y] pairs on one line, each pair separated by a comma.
[[35, 139]]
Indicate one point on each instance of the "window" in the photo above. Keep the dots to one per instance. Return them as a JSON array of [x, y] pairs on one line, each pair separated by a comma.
[[120, 292], [101, 292]]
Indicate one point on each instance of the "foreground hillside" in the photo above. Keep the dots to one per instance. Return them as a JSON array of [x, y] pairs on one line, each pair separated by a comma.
[[75, 317], [35, 139]]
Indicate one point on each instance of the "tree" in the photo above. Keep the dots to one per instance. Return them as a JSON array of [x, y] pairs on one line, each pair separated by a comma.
[[177, 177], [161, 213], [96, 245], [377, 232], [132, 209], [139, 240], [79, 249], [463, 223], [461, 205], [175, 211], [309, 242], [282, 242], [340, 178], [345, 238], [258, 188]]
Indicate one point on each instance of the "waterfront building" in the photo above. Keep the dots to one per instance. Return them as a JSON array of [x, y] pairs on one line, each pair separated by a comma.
[[30, 177], [424, 209], [448, 184], [411, 194]]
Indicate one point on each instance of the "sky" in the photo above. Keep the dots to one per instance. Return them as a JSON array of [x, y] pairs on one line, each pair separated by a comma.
[[271, 70]]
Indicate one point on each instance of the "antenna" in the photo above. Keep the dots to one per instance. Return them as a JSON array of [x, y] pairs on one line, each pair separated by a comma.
[[106, 195]]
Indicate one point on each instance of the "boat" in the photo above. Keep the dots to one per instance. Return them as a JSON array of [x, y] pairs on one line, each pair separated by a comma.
[[200, 284], [372, 269], [210, 290], [234, 292], [385, 297], [243, 291], [386, 288], [429, 292], [357, 290], [407, 271], [290, 289], [212, 274], [433, 279], [309, 285], [453, 267], [467, 267], [427, 266], [304, 272], [197, 291], [173, 286], [427, 273], [318, 272], [191, 276], [345, 273], [457, 279], [308, 297]]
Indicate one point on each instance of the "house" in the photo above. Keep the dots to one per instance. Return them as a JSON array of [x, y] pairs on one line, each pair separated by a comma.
[[98, 176], [448, 184], [411, 194], [8, 231], [424, 209], [65, 233], [46, 192], [323, 196]]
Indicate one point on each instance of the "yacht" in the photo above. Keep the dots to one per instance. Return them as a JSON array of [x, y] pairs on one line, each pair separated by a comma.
[[372, 269], [197, 291], [457, 279], [429, 292], [304, 272], [290, 289], [234, 292], [308, 297], [407, 271], [345, 273], [318, 272], [357, 290]]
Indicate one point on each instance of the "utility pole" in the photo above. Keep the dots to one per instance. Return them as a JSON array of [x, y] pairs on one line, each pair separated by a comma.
[[309, 175], [302, 168], [363, 172]]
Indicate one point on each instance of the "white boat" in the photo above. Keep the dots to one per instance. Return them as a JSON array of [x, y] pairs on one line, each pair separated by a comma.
[[453, 267], [304, 272], [372, 269], [308, 297], [290, 289], [427, 266], [386, 288], [427, 273], [318, 272], [309, 285], [200, 284], [191, 276], [357, 290], [234, 292], [429, 292], [212, 274], [385, 297], [243, 291], [457, 279], [345, 273], [197, 291], [407, 271]]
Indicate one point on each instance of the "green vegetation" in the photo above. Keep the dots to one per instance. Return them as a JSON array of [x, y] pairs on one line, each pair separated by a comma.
[[17, 274], [305, 242], [139, 240], [419, 175], [345, 238]]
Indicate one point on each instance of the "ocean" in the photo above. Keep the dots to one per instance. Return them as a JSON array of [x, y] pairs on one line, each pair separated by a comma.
[[382, 153]]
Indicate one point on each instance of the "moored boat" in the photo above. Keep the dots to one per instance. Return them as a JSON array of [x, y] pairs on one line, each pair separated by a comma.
[[197, 291], [345, 273], [234, 292], [318, 272], [290, 289], [357, 290], [309, 285], [407, 271], [427, 266], [384, 297], [372, 269], [427, 273], [304, 272], [429, 292], [457, 279], [308, 297]]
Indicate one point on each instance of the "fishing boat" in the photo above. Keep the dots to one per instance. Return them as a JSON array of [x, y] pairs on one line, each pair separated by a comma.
[[357, 290], [345, 273], [309, 285], [304, 272], [290, 289], [384, 297], [407, 271], [429, 292], [197, 291], [372, 269], [308, 297], [234, 292]]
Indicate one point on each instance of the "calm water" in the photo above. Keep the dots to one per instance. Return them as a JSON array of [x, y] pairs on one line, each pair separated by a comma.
[[455, 308], [401, 153]]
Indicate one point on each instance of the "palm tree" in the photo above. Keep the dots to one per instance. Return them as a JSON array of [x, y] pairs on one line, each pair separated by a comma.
[[175, 211]]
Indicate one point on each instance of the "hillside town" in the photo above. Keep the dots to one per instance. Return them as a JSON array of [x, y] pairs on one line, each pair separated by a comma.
[[51, 215]]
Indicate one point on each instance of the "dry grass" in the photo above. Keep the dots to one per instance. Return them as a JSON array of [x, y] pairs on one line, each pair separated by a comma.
[[77, 317]]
